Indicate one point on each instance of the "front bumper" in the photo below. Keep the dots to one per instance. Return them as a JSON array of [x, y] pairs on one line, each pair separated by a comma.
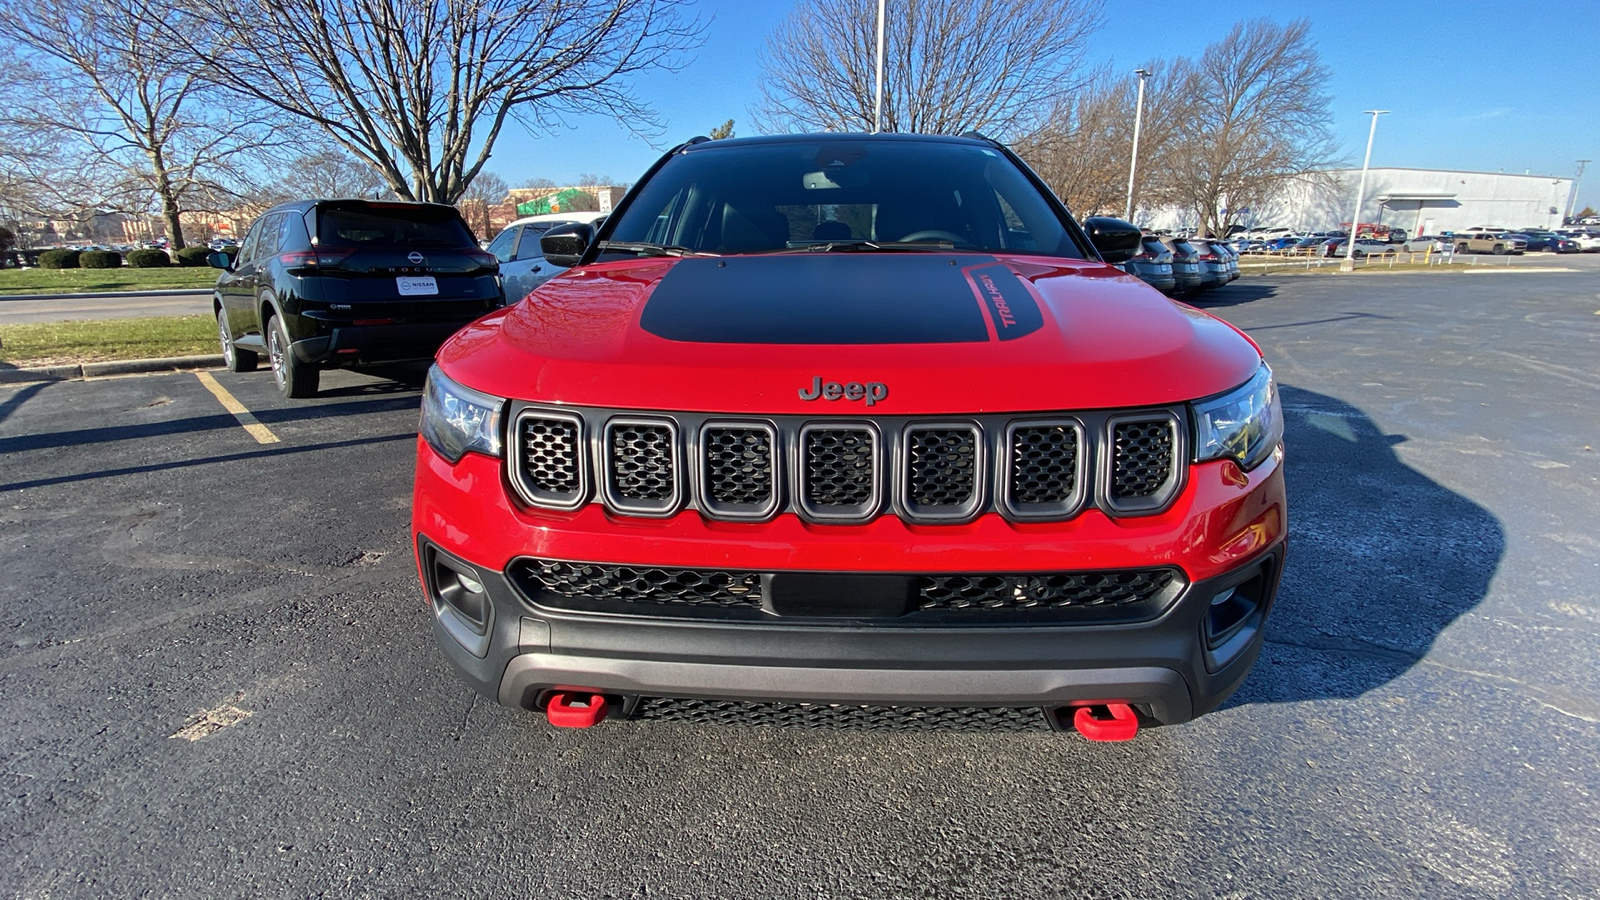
[[1224, 532], [351, 344]]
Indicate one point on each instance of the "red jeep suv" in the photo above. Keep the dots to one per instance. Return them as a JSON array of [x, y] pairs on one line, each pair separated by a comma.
[[850, 428]]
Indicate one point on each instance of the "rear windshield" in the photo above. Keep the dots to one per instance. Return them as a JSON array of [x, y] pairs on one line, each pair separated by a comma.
[[790, 196], [373, 227]]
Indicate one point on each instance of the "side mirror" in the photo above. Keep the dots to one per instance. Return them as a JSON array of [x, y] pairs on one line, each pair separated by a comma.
[[1117, 241], [564, 245], [219, 260]]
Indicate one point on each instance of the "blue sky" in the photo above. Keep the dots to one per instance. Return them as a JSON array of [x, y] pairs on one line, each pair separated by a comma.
[[1477, 90]]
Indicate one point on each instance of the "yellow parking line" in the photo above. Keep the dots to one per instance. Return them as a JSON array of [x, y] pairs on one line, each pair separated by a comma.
[[260, 432]]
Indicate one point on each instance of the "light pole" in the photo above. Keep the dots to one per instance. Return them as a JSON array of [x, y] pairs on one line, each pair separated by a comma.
[[877, 104], [1138, 118], [1349, 263], [1576, 181]]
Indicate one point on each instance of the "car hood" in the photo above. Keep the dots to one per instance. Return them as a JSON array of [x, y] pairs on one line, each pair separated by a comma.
[[940, 333]]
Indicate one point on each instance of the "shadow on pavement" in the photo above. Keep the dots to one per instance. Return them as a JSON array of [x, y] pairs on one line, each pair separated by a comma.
[[1382, 559], [193, 424], [1235, 294], [207, 460]]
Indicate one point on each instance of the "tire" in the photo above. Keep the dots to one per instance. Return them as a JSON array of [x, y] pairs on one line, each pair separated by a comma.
[[1499, 249], [1461, 248], [296, 380], [235, 359]]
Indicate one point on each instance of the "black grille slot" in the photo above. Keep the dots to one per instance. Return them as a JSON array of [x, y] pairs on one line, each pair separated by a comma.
[[550, 455], [1141, 458], [642, 461], [845, 716], [1044, 464], [638, 584], [840, 472], [738, 466], [943, 464], [1046, 591]]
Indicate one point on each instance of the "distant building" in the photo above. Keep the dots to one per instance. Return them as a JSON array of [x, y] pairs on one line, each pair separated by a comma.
[[581, 198], [1420, 201]]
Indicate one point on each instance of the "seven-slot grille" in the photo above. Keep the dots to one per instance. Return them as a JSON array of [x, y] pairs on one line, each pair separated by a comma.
[[1027, 469]]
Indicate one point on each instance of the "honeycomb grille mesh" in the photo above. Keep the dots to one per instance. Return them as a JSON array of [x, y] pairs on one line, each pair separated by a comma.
[[550, 454], [826, 715], [1058, 591], [1141, 458], [1044, 464], [738, 465], [839, 467], [641, 461], [942, 466], [642, 585]]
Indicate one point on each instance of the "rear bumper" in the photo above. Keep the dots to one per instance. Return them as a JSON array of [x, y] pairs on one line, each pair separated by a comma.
[[378, 343]]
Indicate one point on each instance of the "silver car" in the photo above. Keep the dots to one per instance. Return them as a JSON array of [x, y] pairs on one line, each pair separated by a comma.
[[522, 264]]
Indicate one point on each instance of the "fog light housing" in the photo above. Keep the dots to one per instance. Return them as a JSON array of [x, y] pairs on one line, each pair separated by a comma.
[[1233, 618], [459, 598]]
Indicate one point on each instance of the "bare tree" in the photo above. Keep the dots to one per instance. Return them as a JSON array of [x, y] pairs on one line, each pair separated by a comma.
[[722, 132], [1259, 116], [331, 172], [1083, 149], [134, 122], [421, 89], [477, 202], [989, 65]]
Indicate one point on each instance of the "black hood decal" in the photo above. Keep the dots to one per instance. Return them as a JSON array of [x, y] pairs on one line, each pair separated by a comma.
[[840, 298]]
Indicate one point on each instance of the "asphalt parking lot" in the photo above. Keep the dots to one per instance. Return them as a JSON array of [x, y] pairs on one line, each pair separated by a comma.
[[1424, 721]]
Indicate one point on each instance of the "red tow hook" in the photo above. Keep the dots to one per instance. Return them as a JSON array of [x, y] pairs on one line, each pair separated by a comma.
[[573, 709], [1122, 726]]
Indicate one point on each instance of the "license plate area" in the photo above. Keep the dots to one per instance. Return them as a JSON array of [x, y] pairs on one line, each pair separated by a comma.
[[837, 594], [417, 286]]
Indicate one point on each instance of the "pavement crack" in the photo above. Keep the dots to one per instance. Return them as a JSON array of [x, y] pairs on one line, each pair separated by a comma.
[[472, 701]]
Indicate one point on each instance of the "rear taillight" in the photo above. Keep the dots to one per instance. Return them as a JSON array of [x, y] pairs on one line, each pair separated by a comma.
[[483, 258], [306, 259]]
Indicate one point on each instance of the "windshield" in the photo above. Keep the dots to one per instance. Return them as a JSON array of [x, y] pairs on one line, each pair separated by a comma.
[[833, 194]]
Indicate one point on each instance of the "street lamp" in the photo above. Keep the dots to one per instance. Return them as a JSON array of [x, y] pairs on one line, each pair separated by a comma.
[[1576, 181], [1138, 117], [877, 104], [1349, 263]]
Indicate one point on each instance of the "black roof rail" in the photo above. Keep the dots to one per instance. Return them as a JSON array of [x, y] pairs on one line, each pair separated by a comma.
[[978, 135]]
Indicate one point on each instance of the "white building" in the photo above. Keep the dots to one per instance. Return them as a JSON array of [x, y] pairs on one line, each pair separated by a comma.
[[1421, 201]]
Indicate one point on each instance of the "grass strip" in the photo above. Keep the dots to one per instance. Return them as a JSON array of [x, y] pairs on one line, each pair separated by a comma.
[[90, 281], [102, 340]]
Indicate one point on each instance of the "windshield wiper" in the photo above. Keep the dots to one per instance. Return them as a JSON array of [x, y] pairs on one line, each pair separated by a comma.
[[851, 246], [644, 248]]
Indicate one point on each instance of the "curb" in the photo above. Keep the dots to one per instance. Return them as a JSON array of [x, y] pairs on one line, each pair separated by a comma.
[[113, 295], [114, 367]]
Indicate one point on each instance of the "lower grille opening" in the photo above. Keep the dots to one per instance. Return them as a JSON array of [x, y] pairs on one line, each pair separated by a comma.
[[841, 716], [887, 598]]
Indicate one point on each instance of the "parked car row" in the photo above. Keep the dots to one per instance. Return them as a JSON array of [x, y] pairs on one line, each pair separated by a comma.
[[1181, 267]]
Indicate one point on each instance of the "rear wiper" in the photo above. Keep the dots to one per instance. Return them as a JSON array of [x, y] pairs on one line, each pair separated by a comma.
[[851, 246], [644, 248]]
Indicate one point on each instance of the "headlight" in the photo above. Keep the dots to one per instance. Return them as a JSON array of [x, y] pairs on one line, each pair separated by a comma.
[[457, 419], [1243, 425]]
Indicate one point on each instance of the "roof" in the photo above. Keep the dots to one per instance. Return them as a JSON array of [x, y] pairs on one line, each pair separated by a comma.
[[885, 136]]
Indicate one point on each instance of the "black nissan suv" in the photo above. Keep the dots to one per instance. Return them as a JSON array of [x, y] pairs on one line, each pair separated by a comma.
[[319, 284]]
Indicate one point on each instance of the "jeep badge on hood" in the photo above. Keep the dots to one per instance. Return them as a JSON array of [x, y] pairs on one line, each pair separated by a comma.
[[872, 391]]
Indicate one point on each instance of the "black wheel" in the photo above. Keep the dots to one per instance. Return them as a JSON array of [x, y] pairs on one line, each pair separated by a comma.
[[235, 359], [1461, 248], [1499, 249], [296, 380]]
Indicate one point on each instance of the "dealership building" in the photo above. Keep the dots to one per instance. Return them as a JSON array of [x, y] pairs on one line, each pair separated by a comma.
[[1421, 201]]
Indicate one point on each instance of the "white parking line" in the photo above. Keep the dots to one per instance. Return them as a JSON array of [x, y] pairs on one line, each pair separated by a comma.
[[260, 432]]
